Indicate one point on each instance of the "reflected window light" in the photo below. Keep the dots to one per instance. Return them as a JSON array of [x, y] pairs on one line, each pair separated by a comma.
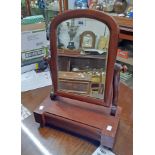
[[40, 146]]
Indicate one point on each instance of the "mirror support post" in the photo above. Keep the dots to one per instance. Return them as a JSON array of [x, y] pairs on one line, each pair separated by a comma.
[[52, 95], [116, 80]]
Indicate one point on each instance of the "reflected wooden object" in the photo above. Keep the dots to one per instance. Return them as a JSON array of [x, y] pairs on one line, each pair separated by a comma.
[[87, 39], [73, 82], [69, 52], [98, 82], [91, 117], [82, 83]]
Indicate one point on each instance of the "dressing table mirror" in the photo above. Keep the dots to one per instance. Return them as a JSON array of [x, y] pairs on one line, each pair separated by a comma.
[[81, 65], [85, 76]]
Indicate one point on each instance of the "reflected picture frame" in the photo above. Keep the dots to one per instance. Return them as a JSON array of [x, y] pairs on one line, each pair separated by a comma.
[[87, 39], [111, 57]]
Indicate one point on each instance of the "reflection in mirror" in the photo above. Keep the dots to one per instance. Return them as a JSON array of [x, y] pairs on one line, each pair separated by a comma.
[[82, 46]]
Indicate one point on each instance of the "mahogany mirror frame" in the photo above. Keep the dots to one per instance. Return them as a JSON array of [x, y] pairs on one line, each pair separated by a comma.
[[112, 53]]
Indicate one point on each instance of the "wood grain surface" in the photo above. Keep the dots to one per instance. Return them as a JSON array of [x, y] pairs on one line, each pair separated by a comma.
[[72, 144], [56, 142], [112, 52]]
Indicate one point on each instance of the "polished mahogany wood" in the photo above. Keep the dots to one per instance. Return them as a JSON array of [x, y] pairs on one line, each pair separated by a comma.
[[126, 27], [116, 81], [112, 52], [74, 112], [72, 116], [55, 141], [81, 118], [126, 33], [53, 138], [124, 21]]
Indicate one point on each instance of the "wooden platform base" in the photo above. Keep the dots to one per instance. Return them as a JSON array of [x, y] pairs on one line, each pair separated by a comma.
[[92, 121]]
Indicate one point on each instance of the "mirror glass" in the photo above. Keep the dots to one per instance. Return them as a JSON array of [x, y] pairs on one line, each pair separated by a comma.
[[82, 46]]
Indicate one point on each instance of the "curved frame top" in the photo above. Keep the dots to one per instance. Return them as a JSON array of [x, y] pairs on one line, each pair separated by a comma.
[[112, 52]]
